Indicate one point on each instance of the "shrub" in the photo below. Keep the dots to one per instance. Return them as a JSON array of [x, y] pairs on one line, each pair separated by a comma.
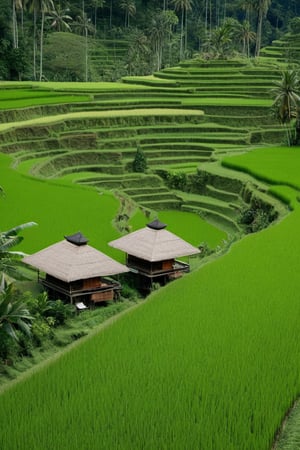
[[140, 162], [177, 180], [294, 25], [255, 219]]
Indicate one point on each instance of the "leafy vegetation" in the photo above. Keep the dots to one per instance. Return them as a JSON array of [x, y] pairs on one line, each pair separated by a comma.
[[75, 41]]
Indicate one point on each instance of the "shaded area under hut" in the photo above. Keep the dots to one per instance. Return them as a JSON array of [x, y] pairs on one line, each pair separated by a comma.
[[77, 272], [152, 252]]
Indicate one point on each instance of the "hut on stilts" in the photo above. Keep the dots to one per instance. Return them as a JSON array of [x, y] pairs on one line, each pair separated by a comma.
[[76, 272], [152, 252]]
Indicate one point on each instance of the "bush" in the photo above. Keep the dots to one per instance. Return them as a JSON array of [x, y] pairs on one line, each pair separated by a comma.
[[177, 180], [140, 162], [255, 219], [294, 25]]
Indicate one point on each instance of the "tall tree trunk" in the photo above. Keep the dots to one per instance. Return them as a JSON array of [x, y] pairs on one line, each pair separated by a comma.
[[34, 42], [258, 32], [86, 55], [41, 45], [110, 13], [14, 25], [181, 36]]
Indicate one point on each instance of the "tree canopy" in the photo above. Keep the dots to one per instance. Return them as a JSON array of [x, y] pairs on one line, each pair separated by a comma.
[[166, 31]]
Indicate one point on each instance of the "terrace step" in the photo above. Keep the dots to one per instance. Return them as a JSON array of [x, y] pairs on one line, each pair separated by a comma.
[[156, 196], [162, 204], [146, 190], [106, 169], [221, 194], [219, 220], [211, 204], [116, 182], [175, 160]]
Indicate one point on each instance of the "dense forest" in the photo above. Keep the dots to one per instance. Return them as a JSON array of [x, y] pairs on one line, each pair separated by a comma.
[[60, 40]]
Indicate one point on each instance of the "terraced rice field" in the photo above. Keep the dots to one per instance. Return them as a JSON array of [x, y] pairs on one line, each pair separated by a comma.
[[210, 361], [196, 116]]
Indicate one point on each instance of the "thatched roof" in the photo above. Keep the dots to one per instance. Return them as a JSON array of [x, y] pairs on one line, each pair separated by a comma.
[[154, 243], [70, 262]]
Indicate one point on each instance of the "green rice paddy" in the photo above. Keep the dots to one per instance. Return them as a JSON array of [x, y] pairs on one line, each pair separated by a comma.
[[208, 362]]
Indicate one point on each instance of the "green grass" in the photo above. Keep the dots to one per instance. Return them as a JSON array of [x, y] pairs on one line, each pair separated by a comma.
[[59, 208], [42, 100], [201, 354], [192, 228], [209, 362], [276, 165]]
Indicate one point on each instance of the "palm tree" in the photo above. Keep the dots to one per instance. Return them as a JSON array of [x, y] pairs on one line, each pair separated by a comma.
[[16, 4], [262, 8], [128, 6], [60, 19], [138, 52], [14, 314], [220, 41], [85, 26], [10, 261], [39, 7], [184, 6], [287, 102], [157, 31], [248, 6], [97, 4], [246, 36], [45, 7]]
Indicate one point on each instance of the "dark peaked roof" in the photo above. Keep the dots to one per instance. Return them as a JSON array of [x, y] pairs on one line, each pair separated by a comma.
[[77, 239], [156, 225]]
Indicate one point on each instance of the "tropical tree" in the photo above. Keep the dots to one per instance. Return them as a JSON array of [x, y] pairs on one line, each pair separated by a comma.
[[10, 261], [128, 6], [220, 42], [84, 25], [287, 103], [16, 5], [39, 7], [262, 9], [138, 53], [14, 314], [157, 31], [246, 36], [45, 7], [184, 6], [97, 4], [60, 19]]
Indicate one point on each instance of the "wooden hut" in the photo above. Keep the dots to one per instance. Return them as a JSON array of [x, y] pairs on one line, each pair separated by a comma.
[[77, 272], [152, 252]]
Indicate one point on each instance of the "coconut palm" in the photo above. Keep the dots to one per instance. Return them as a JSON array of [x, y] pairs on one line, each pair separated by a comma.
[[97, 4], [16, 5], [128, 6], [39, 7], [287, 102], [158, 31], [262, 9], [184, 6], [14, 314], [10, 261], [60, 19], [246, 36], [84, 26]]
